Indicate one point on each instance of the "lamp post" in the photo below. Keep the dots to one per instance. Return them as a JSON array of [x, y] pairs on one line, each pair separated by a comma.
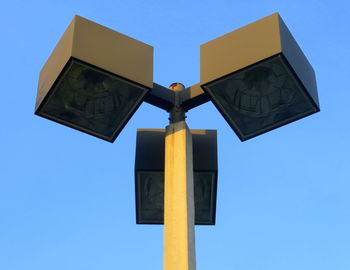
[[256, 76]]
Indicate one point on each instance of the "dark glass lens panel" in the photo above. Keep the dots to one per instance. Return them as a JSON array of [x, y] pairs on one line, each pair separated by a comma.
[[260, 98], [150, 194], [151, 197], [204, 197], [92, 100]]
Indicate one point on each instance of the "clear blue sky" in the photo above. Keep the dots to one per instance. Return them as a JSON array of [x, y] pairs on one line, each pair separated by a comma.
[[67, 198]]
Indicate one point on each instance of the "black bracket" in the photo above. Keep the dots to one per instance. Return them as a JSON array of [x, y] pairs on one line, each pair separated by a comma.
[[176, 102]]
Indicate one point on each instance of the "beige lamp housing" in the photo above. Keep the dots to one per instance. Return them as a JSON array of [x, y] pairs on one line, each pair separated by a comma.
[[258, 77], [95, 79]]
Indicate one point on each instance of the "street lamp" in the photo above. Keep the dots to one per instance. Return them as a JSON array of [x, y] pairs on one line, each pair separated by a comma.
[[256, 76]]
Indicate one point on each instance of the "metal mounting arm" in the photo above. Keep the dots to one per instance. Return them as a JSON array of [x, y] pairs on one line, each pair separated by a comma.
[[188, 98]]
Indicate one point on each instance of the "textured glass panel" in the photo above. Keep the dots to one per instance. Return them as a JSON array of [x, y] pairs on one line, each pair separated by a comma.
[[260, 98], [204, 197], [92, 100], [151, 197]]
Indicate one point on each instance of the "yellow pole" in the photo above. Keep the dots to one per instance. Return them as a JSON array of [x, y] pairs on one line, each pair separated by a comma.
[[179, 235]]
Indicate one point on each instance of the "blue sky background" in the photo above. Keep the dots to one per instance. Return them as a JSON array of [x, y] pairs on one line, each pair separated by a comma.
[[67, 198]]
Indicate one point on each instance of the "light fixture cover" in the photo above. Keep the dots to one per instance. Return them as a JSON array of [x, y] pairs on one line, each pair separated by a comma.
[[95, 79], [149, 176], [258, 77]]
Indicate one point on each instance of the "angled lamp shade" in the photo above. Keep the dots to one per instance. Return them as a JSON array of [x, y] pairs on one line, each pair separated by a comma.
[[149, 176], [95, 79], [258, 77]]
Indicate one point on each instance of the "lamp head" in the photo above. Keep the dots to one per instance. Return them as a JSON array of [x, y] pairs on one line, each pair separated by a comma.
[[95, 79], [258, 78], [149, 176]]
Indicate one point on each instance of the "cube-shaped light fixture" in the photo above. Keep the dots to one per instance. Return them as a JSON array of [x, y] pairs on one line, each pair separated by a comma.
[[95, 79], [149, 176], [258, 77]]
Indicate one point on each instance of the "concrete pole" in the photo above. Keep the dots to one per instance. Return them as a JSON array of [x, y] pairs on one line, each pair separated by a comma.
[[179, 234]]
